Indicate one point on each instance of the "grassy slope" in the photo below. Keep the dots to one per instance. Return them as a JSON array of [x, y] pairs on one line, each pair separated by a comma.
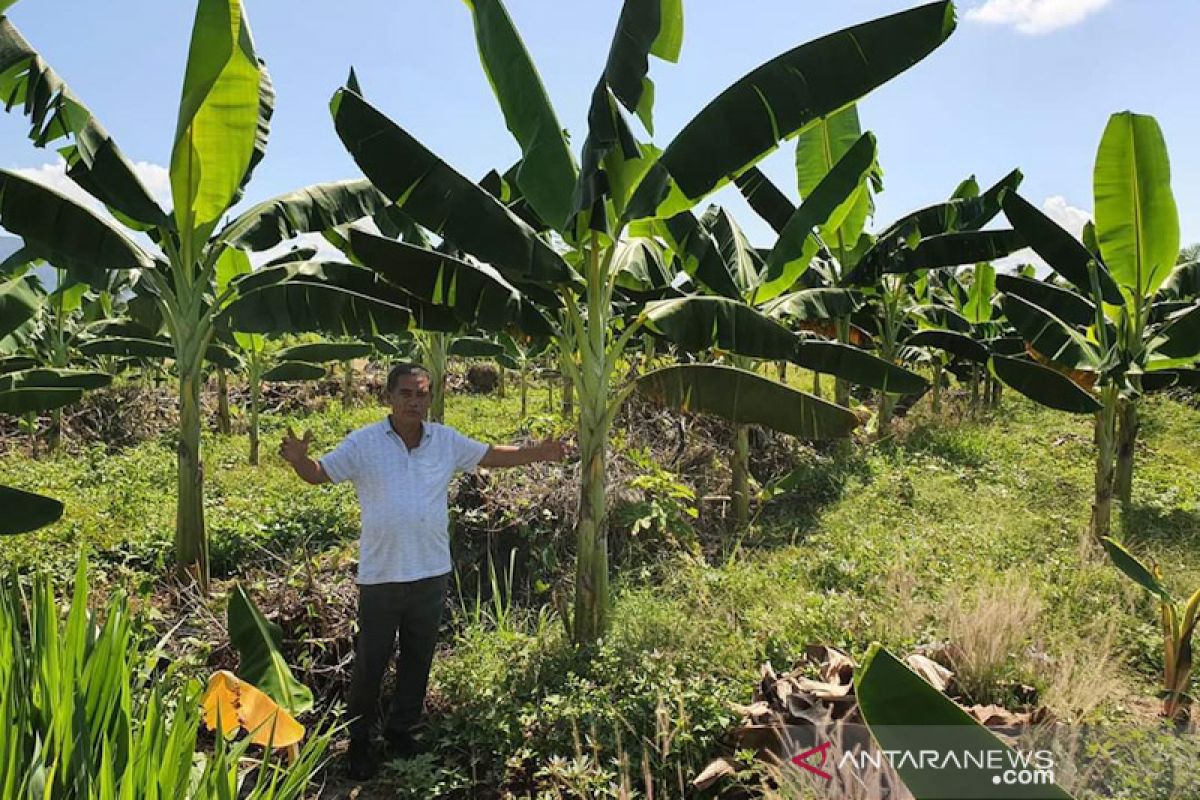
[[877, 544]]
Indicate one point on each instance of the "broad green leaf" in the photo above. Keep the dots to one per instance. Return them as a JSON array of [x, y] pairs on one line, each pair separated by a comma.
[[748, 120], [217, 132], [474, 347], [935, 252], [262, 132], [93, 159], [941, 317], [64, 232], [978, 307], [955, 343], [697, 324], [744, 398], [1182, 284], [19, 302], [640, 264], [765, 198], [128, 346], [1050, 336], [220, 356], [312, 209], [260, 661], [25, 511], [741, 260], [325, 352], [22, 401], [967, 189], [68, 297], [856, 366], [818, 148], [474, 293], [547, 171], [699, 255], [54, 379], [1062, 303], [644, 28], [1043, 385], [814, 304], [440, 199], [1137, 223], [294, 372], [825, 206], [907, 715], [319, 297], [960, 214], [1180, 337], [1062, 251], [231, 264], [1135, 570], [15, 363], [478, 295]]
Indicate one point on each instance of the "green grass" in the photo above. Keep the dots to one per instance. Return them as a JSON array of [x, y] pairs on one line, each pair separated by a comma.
[[872, 544], [121, 505]]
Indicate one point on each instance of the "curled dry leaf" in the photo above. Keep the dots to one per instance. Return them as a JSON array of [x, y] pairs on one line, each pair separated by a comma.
[[934, 673], [233, 703]]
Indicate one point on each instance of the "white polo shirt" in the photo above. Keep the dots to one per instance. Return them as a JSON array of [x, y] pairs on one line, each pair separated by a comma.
[[404, 497]]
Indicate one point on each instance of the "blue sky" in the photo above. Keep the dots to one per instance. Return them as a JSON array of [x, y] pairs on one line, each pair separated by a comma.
[[1026, 83]]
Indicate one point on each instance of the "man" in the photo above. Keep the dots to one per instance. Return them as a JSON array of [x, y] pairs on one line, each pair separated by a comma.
[[401, 469]]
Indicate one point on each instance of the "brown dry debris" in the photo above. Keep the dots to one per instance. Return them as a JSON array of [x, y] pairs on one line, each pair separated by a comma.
[[791, 710]]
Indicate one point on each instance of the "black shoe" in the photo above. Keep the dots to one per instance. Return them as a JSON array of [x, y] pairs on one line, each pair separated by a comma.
[[360, 761], [401, 744]]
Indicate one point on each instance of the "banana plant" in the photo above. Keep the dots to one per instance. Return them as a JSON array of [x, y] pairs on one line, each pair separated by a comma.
[[300, 363], [883, 268], [1177, 619], [725, 266], [28, 389], [1097, 347], [50, 339], [590, 208], [223, 126], [962, 323], [941, 236], [520, 354]]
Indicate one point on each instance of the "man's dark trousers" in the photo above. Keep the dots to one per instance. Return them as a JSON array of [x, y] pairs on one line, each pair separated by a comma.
[[412, 612]]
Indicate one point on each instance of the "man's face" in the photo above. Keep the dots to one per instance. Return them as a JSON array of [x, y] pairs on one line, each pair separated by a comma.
[[410, 397]]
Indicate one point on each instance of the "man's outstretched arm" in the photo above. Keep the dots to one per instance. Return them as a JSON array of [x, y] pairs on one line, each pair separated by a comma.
[[507, 455], [295, 452]]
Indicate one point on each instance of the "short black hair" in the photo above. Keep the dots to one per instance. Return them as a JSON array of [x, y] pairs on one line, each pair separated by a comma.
[[404, 368]]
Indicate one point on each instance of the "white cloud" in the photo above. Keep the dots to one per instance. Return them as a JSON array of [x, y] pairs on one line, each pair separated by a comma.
[[325, 251], [154, 177], [1035, 17], [1068, 216]]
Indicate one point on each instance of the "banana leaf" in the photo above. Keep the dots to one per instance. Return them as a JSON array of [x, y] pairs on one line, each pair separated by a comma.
[[749, 119], [1065, 254], [25, 511], [260, 660], [1043, 385], [440, 199], [744, 398], [312, 209], [294, 372]]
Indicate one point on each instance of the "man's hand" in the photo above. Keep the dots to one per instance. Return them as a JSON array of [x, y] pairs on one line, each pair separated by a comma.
[[294, 450], [504, 455], [551, 450]]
